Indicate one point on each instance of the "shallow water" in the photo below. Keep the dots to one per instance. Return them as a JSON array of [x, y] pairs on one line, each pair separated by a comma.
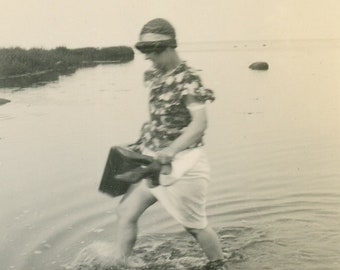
[[273, 144]]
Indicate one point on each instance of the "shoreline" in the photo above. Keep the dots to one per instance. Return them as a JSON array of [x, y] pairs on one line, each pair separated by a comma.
[[23, 68], [49, 75]]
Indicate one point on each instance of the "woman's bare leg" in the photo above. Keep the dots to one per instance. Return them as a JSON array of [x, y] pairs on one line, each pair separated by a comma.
[[132, 206], [209, 242]]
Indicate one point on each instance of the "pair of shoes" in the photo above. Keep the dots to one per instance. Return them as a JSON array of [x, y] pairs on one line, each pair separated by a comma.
[[150, 171], [215, 265]]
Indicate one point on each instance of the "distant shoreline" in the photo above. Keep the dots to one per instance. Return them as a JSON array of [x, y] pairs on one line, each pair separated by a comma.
[[24, 68]]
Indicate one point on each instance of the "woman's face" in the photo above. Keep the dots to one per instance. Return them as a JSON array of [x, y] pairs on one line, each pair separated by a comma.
[[159, 60]]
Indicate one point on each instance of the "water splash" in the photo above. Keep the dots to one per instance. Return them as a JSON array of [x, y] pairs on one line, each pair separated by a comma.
[[170, 251]]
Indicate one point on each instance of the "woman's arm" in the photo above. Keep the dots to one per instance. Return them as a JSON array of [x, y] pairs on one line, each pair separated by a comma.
[[192, 133]]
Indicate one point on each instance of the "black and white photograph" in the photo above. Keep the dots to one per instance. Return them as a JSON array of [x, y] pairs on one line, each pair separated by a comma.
[[165, 135]]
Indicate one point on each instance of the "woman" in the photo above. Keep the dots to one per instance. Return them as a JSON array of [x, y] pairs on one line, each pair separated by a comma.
[[173, 135]]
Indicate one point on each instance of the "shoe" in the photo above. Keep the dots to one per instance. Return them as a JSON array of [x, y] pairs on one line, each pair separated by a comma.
[[150, 171], [215, 265]]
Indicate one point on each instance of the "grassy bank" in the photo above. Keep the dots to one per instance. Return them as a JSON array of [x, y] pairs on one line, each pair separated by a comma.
[[16, 61], [23, 68]]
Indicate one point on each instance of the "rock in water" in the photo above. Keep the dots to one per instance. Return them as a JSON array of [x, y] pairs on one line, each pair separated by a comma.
[[259, 66], [4, 101]]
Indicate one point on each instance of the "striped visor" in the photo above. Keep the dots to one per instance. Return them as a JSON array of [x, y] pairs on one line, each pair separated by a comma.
[[155, 46]]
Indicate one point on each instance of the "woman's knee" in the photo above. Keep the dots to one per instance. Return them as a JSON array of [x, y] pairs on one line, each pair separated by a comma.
[[126, 214], [193, 231], [133, 205]]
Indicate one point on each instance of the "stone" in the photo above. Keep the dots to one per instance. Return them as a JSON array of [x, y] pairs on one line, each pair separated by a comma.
[[4, 101], [259, 66]]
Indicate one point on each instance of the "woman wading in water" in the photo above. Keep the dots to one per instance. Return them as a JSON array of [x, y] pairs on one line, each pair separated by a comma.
[[173, 135]]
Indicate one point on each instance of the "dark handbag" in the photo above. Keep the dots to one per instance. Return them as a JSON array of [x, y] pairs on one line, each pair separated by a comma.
[[125, 167]]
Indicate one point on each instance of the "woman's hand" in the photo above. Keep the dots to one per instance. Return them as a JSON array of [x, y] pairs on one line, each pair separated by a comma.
[[166, 155]]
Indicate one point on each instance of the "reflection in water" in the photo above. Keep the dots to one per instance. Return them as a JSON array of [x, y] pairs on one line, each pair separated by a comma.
[[273, 143], [27, 80]]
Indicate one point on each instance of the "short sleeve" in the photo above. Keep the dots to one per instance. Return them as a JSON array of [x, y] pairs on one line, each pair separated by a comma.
[[193, 86]]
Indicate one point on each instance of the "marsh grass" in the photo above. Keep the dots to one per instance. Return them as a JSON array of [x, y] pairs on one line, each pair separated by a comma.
[[17, 61]]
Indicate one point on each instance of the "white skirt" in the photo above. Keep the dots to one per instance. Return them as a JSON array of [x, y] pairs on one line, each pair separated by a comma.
[[183, 192]]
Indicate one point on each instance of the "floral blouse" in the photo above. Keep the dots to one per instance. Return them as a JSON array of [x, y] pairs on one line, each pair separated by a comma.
[[169, 115]]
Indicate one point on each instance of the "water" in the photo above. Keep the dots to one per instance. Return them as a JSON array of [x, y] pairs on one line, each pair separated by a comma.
[[273, 143]]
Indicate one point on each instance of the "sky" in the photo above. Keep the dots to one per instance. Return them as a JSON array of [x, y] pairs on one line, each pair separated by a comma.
[[103, 23]]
